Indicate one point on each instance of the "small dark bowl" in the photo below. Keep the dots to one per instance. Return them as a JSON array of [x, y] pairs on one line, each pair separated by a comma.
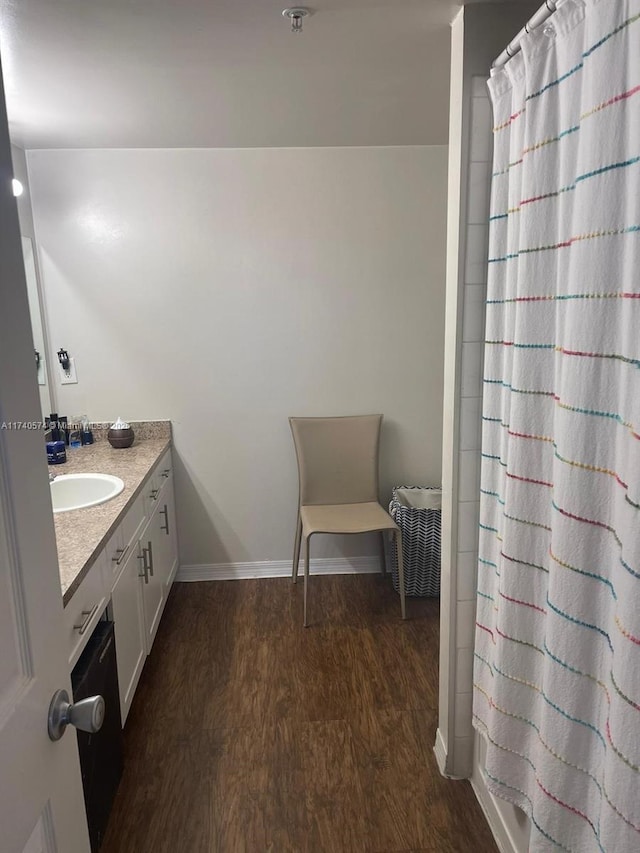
[[121, 437]]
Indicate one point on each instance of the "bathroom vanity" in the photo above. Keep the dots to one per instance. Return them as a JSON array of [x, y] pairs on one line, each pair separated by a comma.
[[120, 557]]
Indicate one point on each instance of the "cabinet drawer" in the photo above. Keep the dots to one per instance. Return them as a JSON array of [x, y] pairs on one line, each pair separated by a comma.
[[164, 468], [115, 553], [150, 493], [85, 608]]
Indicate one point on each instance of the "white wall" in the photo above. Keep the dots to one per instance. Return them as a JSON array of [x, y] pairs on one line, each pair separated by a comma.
[[227, 289]]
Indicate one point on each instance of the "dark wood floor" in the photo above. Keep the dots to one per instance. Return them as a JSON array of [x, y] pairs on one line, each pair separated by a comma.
[[249, 733]]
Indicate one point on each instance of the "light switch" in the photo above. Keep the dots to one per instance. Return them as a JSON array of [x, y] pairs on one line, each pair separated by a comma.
[[69, 377]]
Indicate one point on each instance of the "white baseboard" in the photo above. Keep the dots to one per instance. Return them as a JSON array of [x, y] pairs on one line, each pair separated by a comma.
[[442, 757], [278, 569], [498, 827], [440, 752]]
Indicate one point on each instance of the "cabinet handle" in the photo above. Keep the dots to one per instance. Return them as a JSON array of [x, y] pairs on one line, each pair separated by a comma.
[[150, 559], [121, 553], [143, 573], [166, 472], [88, 616], [153, 494], [165, 526]]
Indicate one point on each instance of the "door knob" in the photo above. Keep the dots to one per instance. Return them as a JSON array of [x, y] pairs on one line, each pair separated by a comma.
[[86, 715]]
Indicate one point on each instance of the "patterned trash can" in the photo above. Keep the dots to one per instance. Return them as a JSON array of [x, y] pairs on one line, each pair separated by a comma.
[[417, 512]]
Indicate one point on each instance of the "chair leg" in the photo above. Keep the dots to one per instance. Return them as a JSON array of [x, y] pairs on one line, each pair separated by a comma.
[[306, 576], [398, 538], [296, 549], [383, 554]]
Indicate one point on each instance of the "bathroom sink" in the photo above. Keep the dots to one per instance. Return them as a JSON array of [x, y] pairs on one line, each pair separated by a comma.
[[77, 491]]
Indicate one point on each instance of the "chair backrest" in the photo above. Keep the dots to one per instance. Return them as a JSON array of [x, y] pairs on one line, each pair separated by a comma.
[[337, 458]]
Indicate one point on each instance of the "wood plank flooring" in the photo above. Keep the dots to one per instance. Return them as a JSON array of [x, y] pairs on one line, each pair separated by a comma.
[[249, 733]]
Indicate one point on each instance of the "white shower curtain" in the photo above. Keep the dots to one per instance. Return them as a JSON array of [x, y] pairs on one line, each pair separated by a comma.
[[557, 666]]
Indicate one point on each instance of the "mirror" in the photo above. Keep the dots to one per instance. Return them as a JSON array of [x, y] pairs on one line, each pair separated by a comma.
[[37, 325]]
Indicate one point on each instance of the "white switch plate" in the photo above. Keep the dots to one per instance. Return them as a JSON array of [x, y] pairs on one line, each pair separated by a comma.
[[70, 378]]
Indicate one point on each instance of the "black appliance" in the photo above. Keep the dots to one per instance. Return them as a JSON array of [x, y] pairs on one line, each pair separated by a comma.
[[101, 754]]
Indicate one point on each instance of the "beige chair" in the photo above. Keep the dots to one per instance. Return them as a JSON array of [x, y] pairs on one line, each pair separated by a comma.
[[338, 480]]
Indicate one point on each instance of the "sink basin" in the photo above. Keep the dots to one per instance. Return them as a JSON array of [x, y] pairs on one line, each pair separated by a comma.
[[77, 491]]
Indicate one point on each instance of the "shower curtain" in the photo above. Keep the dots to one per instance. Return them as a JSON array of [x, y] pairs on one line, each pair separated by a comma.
[[557, 663]]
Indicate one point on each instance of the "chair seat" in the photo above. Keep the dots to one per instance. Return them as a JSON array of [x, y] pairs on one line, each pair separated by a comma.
[[345, 518]]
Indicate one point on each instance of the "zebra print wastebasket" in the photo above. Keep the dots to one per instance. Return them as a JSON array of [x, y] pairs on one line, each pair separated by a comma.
[[418, 516]]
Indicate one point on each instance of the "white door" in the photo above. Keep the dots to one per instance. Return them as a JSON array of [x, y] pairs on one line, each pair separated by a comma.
[[41, 802]]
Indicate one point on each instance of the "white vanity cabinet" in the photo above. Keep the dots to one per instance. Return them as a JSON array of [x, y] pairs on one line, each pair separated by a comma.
[[128, 576], [142, 586]]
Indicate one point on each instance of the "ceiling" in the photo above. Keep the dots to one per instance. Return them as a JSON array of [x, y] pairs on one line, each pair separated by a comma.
[[225, 73]]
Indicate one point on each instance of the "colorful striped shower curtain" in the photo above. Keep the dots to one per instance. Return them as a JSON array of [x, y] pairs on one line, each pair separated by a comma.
[[557, 664]]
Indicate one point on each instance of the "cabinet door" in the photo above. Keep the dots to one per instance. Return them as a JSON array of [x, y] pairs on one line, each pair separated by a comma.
[[126, 603], [168, 545], [153, 587]]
